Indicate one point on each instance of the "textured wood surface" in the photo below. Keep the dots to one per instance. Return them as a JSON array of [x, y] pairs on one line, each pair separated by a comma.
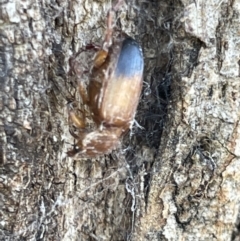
[[174, 179]]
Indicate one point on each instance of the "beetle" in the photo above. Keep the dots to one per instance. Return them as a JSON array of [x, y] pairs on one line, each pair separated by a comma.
[[112, 94]]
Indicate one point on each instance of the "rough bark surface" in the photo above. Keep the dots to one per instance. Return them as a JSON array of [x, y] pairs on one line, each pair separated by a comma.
[[176, 179]]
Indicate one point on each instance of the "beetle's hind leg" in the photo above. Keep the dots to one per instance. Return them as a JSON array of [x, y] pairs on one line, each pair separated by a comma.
[[83, 92], [78, 121]]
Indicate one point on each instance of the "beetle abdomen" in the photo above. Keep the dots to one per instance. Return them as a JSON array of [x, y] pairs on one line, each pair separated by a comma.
[[122, 90], [130, 61]]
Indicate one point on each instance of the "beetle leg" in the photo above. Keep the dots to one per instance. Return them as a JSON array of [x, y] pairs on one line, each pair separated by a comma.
[[74, 64], [83, 92], [74, 135], [110, 16], [100, 58], [108, 36], [74, 151], [74, 69], [77, 121], [117, 5]]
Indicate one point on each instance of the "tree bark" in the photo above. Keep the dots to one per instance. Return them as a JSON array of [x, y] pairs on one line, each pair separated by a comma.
[[174, 179]]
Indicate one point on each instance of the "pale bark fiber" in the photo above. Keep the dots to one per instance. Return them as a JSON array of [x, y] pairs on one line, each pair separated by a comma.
[[176, 179]]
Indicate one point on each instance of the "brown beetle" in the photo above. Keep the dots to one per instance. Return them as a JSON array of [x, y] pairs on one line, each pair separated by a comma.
[[112, 94]]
